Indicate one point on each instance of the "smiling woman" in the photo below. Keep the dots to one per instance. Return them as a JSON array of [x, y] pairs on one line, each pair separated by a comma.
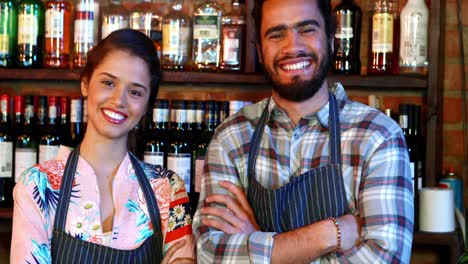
[[105, 205]]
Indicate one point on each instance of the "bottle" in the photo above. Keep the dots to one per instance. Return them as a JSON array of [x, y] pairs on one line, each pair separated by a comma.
[[177, 36], [384, 38], [41, 115], [454, 182], [6, 153], [64, 121], [76, 120], [147, 18], [233, 39], [413, 40], [463, 259], [156, 147], [84, 34], [8, 32], [114, 17], [57, 34], [179, 157], [205, 137], [207, 36], [26, 141], [347, 38], [50, 140], [30, 33]]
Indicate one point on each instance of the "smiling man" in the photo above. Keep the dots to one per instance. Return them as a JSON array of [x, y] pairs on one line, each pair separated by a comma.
[[306, 175]]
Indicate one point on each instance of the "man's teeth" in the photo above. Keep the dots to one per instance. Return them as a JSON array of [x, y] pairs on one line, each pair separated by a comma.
[[113, 115], [296, 66]]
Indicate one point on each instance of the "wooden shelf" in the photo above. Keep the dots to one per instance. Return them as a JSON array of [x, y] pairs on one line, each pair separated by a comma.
[[451, 241], [6, 213], [352, 81]]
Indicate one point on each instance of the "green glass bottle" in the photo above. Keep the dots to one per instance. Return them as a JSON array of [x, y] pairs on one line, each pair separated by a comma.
[[8, 32], [6, 153], [30, 33], [50, 139], [156, 146]]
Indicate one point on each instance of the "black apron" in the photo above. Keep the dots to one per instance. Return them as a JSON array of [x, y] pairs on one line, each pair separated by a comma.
[[308, 198], [69, 249]]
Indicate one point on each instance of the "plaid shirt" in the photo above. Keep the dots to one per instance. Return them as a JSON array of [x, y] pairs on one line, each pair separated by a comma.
[[375, 169]]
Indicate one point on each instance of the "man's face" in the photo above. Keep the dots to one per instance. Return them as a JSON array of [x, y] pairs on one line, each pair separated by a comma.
[[294, 48]]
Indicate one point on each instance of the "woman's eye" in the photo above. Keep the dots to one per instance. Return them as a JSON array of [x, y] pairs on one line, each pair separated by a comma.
[[136, 93], [108, 83]]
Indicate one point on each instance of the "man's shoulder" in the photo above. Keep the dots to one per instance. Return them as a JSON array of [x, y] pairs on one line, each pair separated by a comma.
[[245, 119]]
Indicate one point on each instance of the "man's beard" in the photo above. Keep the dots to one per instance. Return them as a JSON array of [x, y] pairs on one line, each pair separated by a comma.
[[301, 90]]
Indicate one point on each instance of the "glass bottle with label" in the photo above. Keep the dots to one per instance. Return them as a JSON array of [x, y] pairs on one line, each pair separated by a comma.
[[41, 114], [30, 33], [413, 40], [147, 18], [233, 38], [64, 126], [156, 147], [114, 17], [384, 33], [50, 140], [8, 32], [57, 34], [177, 37], [26, 141], [347, 38], [179, 157], [84, 35], [206, 50], [6, 153], [76, 120]]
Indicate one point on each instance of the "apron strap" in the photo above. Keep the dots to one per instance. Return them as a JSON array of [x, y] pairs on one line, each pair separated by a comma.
[[256, 139]]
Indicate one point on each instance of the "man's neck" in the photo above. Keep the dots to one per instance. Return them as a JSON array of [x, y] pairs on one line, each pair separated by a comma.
[[296, 110]]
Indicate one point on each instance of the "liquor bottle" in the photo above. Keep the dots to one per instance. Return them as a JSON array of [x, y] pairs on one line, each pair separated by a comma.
[[156, 147], [63, 112], [76, 120], [177, 37], [347, 38], [179, 157], [205, 137], [207, 36], [114, 17], [413, 40], [30, 33], [41, 115], [147, 18], [26, 141], [50, 140], [233, 38], [57, 34], [84, 34], [6, 153], [223, 110], [384, 38], [8, 32]]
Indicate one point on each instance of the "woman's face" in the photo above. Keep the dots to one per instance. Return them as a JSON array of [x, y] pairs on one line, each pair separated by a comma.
[[118, 93]]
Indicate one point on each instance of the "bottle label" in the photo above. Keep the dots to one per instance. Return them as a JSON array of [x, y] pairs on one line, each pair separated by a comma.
[[141, 21], [84, 22], [27, 29], [382, 33], [344, 29], [155, 158], [199, 163], [52, 112], [6, 159], [175, 39], [414, 39], [199, 116], [54, 23], [205, 27], [179, 115], [4, 44], [403, 121], [160, 115], [180, 164], [29, 112], [4, 107], [47, 152], [76, 116], [231, 45], [25, 158], [112, 23]]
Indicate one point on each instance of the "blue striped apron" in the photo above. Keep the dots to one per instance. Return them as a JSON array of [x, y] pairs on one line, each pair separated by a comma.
[[310, 197], [69, 249]]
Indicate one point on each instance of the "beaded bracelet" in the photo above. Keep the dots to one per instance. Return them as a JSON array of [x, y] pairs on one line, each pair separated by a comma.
[[338, 233]]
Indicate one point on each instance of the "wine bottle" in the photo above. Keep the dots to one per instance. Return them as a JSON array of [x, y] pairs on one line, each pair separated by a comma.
[[6, 153], [233, 38], [114, 17], [76, 120], [157, 145], [207, 36], [147, 18], [30, 33], [347, 38], [26, 142], [50, 140], [64, 126], [84, 34], [179, 157], [8, 32], [57, 34]]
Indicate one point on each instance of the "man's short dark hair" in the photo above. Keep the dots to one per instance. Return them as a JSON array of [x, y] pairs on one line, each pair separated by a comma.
[[324, 7]]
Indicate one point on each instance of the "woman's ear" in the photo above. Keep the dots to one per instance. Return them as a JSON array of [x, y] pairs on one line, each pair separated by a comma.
[[84, 88]]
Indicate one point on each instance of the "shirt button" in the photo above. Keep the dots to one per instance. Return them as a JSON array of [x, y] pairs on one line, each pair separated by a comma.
[[296, 136]]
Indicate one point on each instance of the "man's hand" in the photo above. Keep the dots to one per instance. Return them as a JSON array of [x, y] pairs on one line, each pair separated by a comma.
[[172, 250], [238, 215], [349, 225]]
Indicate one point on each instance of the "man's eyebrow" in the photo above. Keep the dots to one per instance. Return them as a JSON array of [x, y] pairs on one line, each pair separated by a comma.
[[283, 27]]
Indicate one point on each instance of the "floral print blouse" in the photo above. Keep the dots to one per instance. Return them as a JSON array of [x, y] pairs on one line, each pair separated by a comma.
[[36, 196]]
